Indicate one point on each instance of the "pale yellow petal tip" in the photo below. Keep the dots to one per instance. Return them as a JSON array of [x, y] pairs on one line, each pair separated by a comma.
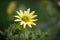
[[34, 24], [30, 27], [28, 9], [17, 20], [14, 16], [21, 11], [36, 15], [33, 11], [36, 19], [17, 11], [24, 27]]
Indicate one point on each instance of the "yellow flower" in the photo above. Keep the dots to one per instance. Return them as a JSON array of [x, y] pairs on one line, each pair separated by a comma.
[[26, 18]]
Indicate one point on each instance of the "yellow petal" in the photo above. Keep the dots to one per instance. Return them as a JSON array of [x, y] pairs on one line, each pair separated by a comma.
[[33, 23], [21, 11], [34, 19], [21, 23], [34, 16], [25, 12], [32, 12], [17, 20], [24, 25], [30, 25], [17, 16], [28, 10], [18, 13]]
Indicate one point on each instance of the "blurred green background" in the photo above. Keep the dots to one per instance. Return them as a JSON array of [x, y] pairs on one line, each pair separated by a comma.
[[48, 12]]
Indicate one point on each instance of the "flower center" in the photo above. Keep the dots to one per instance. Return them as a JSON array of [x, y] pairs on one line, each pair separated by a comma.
[[25, 18]]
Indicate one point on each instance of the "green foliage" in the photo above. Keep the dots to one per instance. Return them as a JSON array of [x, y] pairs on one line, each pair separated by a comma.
[[15, 30]]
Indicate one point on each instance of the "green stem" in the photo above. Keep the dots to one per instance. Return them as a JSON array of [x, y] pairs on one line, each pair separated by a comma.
[[24, 34], [31, 33], [18, 38]]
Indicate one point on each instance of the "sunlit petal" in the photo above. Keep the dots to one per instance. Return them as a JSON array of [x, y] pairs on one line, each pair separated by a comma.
[[24, 25], [34, 16], [21, 11], [32, 12], [30, 25], [28, 10], [21, 23], [17, 16], [18, 13], [25, 12], [33, 23], [17, 20], [34, 19]]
